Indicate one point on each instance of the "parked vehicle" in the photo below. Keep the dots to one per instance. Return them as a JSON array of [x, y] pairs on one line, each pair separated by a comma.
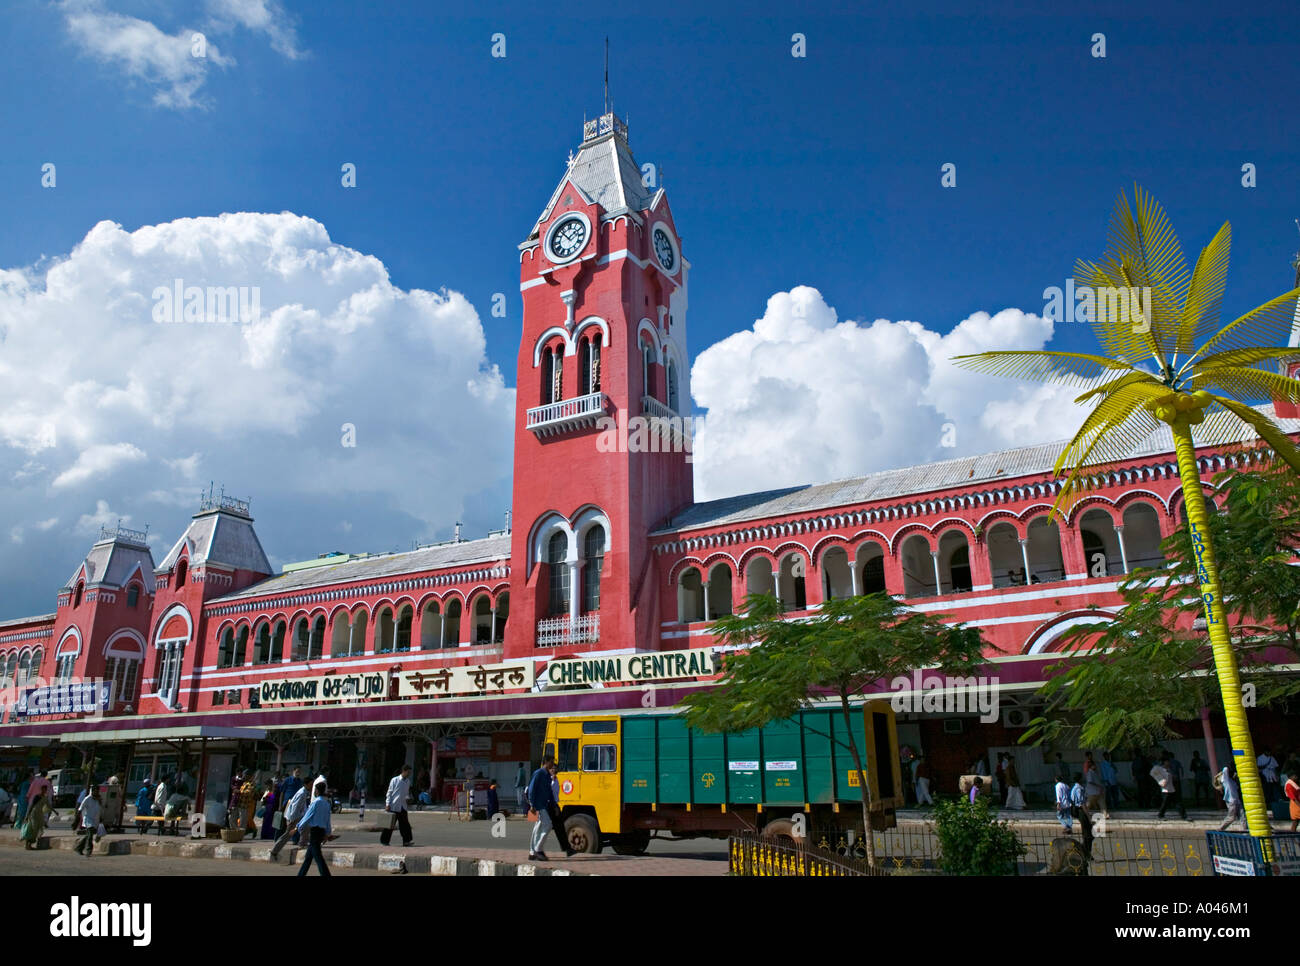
[[623, 779], [65, 785]]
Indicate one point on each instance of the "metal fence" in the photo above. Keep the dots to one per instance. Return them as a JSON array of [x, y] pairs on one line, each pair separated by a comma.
[[1126, 852], [1236, 853], [754, 856]]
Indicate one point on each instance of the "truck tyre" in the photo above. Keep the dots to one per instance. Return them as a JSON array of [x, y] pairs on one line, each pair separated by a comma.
[[632, 843], [780, 832], [583, 833]]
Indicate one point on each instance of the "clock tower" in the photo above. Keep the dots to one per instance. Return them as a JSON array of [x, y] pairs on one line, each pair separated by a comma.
[[602, 434]]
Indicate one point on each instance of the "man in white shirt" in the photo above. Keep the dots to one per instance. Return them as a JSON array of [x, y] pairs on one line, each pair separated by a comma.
[[293, 813], [88, 815], [399, 790], [1064, 814], [160, 797]]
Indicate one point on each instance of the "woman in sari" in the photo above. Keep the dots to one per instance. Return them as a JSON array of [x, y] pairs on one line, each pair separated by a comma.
[[23, 789], [38, 813], [268, 811]]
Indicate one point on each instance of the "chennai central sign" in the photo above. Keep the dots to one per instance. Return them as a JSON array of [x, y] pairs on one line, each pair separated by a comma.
[[633, 668]]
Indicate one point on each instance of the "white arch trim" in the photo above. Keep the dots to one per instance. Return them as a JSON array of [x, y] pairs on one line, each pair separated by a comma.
[[645, 325], [168, 614], [115, 648], [1040, 645], [571, 338], [71, 632]]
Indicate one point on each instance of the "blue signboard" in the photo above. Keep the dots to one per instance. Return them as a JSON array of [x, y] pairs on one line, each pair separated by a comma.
[[81, 698]]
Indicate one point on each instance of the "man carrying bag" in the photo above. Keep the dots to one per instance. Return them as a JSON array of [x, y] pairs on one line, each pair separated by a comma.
[[399, 790]]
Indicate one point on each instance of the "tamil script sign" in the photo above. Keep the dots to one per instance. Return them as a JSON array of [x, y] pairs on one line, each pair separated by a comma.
[[638, 668], [82, 698], [475, 678], [330, 687]]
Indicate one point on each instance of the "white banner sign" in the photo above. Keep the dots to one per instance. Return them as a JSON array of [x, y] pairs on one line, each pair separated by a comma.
[[488, 678]]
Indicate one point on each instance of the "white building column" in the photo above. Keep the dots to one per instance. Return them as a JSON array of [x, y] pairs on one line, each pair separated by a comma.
[[1024, 556], [1123, 553], [934, 559], [705, 584], [855, 578]]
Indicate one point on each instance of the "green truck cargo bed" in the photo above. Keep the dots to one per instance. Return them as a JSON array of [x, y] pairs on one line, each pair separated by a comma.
[[805, 759]]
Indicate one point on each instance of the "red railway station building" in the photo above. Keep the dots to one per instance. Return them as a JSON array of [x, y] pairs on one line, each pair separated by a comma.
[[601, 595]]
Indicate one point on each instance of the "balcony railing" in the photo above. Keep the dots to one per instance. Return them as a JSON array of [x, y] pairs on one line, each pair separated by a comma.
[[584, 629], [667, 420], [567, 415]]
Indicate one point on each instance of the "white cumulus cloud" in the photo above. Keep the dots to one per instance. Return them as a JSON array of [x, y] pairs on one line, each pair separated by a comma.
[[802, 397], [139, 416]]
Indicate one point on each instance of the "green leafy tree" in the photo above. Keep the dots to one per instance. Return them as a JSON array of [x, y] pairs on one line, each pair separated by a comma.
[[972, 841], [837, 653], [1154, 670]]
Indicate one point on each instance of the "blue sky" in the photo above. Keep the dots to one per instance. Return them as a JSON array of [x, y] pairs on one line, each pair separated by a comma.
[[821, 171]]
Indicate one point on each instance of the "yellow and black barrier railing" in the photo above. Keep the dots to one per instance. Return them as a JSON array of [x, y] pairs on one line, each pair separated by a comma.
[[754, 856]]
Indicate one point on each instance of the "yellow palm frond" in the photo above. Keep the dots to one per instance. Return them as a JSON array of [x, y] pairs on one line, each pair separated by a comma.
[[1268, 430], [1245, 357], [1270, 324], [1066, 368], [1118, 319], [1205, 295], [1106, 388], [1243, 382]]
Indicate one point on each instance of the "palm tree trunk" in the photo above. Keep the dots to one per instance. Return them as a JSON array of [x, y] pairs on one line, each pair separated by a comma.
[[863, 781], [1225, 661]]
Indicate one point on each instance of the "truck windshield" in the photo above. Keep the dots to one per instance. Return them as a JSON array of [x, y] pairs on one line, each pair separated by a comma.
[[568, 757]]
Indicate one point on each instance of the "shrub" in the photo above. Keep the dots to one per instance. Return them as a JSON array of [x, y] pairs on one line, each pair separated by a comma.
[[972, 841]]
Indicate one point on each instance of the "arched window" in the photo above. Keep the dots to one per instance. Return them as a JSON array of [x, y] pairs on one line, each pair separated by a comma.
[[66, 659], [502, 615], [482, 619], [277, 642], [122, 668], [837, 580], [451, 625], [595, 363], [20, 669], [358, 636], [241, 647], [340, 634], [384, 631], [317, 646], [584, 367], [431, 626], [226, 649], [918, 568], [793, 590], [872, 556], [647, 360], [262, 645], [76, 600], [690, 596], [548, 376], [718, 592], [672, 386], [301, 640], [182, 570], [133, 595], [404, 621], [593, 552], [557, 552]]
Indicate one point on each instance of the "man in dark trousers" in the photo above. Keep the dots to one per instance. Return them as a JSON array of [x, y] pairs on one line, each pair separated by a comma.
[[399, 790], [317, 824]]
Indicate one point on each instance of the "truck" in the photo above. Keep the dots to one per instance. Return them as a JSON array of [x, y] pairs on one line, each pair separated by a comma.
[[627, 778]]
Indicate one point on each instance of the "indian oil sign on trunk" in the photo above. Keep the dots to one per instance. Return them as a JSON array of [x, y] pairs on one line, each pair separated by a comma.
[[633, 668]]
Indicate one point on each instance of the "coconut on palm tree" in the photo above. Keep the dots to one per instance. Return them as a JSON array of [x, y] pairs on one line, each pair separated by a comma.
[[1167, 360]]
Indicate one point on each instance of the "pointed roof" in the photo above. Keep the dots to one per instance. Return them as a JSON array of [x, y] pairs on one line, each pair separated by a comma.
[[603, 171], [114, 557], [221, 534]]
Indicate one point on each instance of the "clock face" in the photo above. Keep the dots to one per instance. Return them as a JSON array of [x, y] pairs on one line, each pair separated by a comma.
[[567, 238], [664, 250]]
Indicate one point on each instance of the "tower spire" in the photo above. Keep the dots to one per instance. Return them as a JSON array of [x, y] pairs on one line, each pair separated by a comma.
[[606, 111]]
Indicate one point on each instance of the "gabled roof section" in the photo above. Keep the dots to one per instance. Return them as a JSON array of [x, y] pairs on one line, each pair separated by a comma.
[[221, 534], [439, 557], [604, 171], [114, 557], [1004, 466]]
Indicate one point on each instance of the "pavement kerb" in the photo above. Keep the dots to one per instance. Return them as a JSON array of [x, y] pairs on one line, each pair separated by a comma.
[[343, 858]]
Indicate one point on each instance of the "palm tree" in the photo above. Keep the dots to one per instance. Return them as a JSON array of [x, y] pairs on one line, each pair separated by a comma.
[[1164, 353]]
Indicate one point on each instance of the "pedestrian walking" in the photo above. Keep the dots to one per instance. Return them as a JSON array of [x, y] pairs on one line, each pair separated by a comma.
[[540, 800], [1081, 809], [24, 800], [39, 813], [289, 788], [521, 786], [1110, 779], [1200, 777], [1292, 792], [1015, 795], [1064, 813], [293, 813], [493, 800], [317, 824], [269, 810], [160, 796], [923, 781], [1170, 794], [1094, 788], [557, 823], [40, 784], [1226, 782], [399, 791], [88, 822]]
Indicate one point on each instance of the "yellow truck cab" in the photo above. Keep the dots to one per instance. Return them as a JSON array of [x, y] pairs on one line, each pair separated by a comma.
[[623, 778]]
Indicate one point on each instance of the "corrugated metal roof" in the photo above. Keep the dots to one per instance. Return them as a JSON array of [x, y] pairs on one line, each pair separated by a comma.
[[15, 621], [1007, 464], [441, 557], [223, 538], [605, 171]]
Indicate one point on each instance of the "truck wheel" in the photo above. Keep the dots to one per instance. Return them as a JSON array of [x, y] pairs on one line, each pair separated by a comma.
[[780, 832], [632, 843], [583, 833]]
